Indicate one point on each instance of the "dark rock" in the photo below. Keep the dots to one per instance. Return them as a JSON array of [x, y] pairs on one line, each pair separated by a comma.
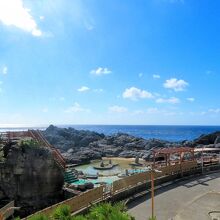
[[82, 146], [31, 177], [217, 140], [206, 139], [66, 138]]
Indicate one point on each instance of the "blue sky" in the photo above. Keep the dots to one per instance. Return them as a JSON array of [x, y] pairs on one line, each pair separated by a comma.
[[109, 62]]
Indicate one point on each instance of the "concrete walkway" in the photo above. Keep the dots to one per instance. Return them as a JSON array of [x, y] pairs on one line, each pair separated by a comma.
[[187, 200]]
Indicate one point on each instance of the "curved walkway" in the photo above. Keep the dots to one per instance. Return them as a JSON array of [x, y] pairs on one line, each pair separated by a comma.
[[189, 199]]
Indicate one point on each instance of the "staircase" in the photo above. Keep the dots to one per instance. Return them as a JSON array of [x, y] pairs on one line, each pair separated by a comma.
[[70, 176], [38, 136]]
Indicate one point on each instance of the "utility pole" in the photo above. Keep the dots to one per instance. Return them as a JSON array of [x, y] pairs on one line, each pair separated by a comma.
[[152, 171], [202, 161]]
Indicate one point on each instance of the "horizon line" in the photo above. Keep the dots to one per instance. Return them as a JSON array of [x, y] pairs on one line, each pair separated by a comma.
[[17, 126]]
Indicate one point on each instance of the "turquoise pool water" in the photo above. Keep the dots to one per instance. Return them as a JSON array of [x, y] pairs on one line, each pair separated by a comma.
[[108, 176], [80, 182]]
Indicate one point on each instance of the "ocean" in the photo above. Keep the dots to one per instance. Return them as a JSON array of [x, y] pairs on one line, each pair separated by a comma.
[[164, 132]]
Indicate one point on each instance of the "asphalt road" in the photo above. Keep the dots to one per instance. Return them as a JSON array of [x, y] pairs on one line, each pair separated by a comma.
[[190, 199]]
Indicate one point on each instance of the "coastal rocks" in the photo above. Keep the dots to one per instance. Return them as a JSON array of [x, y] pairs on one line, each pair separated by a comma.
[[30, 176], [217, 140], [81, 155], [80, 147], [66, 138], [207, 139]]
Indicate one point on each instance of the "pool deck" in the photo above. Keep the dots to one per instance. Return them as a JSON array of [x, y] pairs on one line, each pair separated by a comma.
[[189, 199]]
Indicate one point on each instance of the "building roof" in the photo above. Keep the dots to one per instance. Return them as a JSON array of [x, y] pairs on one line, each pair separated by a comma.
[[173, 150], [206, 149]]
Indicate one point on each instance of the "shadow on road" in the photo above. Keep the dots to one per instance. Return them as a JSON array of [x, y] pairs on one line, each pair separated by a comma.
[[191, 182]]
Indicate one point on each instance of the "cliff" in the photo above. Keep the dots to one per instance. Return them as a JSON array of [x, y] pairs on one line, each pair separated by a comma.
[[30, 176]]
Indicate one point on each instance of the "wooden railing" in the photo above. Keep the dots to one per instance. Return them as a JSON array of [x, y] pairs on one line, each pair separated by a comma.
[[7, 210], [76, 203], [37, 135], [99, 194], [130, 181]]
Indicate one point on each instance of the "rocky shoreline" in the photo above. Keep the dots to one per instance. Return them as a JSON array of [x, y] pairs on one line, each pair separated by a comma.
[[81, 146]]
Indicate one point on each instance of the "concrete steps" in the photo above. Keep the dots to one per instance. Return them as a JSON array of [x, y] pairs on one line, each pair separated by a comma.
[[70, 176]]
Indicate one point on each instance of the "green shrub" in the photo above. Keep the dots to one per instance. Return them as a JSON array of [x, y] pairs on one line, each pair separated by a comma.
[[79, 217], [24, 143], [62, 213], [107, 211], [38, 217]]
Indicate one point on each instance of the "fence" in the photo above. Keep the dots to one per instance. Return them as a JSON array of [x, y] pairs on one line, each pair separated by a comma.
[[131, 181], [6, 212], [95, 195], [76, 203]]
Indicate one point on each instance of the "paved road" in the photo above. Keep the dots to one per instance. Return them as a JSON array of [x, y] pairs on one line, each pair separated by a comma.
[[190, 199]]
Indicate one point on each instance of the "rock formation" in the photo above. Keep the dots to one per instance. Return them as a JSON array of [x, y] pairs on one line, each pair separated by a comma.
[[79, 146], [30, 176]]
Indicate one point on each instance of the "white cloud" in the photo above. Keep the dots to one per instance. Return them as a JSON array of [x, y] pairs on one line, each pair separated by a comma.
[[98, 90], [76, 108], [191, 99], [156, 76], [83, 89], [175, 84], [117, 109], [172, 100], [5, 70], [152, 110], [134, 93], [1, 88], [13, 13], [203, 113], [42, 17], [140, 75], [210, 111], [88, 25], [61, 99], [100, 71], [138, 112], [216, 111], [45, 110]]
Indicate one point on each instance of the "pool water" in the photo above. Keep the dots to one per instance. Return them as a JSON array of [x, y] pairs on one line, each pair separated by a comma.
[[109, 176], [80, 182]]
